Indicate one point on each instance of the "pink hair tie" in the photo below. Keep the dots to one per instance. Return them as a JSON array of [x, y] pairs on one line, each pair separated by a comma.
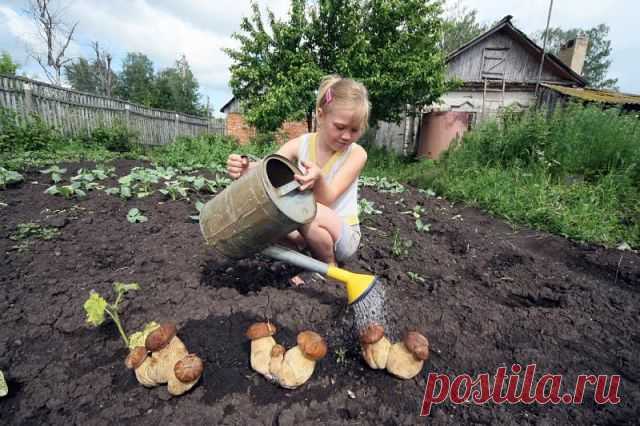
[[328, 96]]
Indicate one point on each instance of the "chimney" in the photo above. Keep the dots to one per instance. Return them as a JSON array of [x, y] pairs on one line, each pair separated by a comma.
[[573, 53]]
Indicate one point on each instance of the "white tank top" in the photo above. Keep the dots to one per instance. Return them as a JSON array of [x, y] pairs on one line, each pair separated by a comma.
[[346, 206]]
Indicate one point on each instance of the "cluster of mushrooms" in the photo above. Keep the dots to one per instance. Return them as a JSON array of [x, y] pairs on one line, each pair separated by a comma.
[[403, 359], [165, 359], [288, 368]]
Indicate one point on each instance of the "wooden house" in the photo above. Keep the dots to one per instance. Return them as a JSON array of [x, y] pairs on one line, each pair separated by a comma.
[[498, 69]]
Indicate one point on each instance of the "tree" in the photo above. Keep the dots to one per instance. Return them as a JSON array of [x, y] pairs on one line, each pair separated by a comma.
[[135, 80], [81, 75], [460, 26], [55, 34], [177, 89], [389, 45], [597, 62], [7, 66]]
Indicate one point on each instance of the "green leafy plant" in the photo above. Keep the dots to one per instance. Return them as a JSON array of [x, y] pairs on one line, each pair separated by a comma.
[[67, 191], [8, 177], [174, 190], [400, 247], [116, 138], [123, 191], [382, 184], [366, 207], [96, 307], [55, 172], [136, 216], [341, 355], [416, 277], [33, 230], [422, 227]]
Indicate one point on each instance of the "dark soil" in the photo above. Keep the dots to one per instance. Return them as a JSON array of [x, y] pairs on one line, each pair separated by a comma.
[[492, 296]]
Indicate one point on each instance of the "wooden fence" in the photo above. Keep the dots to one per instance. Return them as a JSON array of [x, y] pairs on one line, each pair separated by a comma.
[[76, 113]]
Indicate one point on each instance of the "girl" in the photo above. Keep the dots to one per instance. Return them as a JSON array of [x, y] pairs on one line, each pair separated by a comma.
[[331, 162]]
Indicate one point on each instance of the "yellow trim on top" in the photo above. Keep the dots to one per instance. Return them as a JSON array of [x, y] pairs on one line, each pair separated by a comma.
[[312, 155]]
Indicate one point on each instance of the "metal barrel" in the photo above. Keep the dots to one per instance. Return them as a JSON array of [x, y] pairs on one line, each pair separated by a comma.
[[250, 215]]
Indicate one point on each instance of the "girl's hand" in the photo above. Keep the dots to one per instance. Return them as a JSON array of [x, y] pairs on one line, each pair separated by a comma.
[[311, 174], [237, 166]]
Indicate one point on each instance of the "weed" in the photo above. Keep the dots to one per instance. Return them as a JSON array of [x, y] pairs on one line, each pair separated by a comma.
[[34, 230], [341, 356], [400, 247], [136, 216]]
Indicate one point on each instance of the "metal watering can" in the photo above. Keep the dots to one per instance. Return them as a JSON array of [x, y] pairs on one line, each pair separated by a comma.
[[259, 209]]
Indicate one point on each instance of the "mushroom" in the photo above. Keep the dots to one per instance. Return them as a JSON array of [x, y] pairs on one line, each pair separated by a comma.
[[296, 366], [406, 358], [375, 346], [167, 352], [187, 371], [261, 344]]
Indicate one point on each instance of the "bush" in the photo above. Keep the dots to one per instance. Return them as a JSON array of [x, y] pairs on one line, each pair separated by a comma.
[[31, 134], [117, 138]]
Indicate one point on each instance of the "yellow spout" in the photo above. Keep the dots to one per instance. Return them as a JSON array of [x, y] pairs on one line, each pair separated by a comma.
[[356, 284]]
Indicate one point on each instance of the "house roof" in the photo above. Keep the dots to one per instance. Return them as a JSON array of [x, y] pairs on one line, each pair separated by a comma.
[[505, 23], [596, 95], [229, 102]]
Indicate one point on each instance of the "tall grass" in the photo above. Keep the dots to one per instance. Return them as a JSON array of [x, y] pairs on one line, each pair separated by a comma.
[[575, 172]]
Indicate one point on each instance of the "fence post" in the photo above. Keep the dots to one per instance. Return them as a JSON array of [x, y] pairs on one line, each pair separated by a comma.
[[176, 126], [28, 99], [126, 116]]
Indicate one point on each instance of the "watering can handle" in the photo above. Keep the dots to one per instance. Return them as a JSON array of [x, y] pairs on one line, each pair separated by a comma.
[[295, 258], [287, 188]]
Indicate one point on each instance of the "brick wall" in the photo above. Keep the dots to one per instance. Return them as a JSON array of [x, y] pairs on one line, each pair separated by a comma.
[[238, 128]]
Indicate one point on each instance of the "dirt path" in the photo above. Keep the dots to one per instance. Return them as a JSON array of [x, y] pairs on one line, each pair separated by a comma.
[[490, 296]]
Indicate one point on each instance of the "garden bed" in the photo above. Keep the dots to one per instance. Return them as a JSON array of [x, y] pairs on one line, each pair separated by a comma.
[[484, 294]]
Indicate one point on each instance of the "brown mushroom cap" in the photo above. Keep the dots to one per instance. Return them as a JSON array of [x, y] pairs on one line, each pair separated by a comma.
[[277, 350], [373, 333], [261, 329], [160, 337], [417, 344], [188, 368], [312, 344], [136, 357]]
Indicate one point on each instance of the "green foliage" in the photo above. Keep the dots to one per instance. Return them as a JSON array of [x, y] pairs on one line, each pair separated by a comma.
[[597, 62], [399, 246], [415, 277], [367, 208], [135, 216], [55, 172], [176, 89], [9, 177], [174, 190], [28, 230], [67, 191], [460, 26], [7, 66], [135, 81], [25, 134], [140, 337], [575, 172], [391, 46], [116, 138], [96, 307]]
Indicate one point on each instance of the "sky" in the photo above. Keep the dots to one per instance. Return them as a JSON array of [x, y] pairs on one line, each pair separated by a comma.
[[164, 30]]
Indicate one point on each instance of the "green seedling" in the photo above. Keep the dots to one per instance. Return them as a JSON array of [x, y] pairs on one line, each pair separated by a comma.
[[4, 389], [422, 227], [428, 192], [341, 356], [400, 247], [67, 191], [96, 307], [55, 172], [8, 177], [174, 190], [366, 207], [382, 184], [199, 206], [33, 230], [123, 191], [136, 216], [416, 277]]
